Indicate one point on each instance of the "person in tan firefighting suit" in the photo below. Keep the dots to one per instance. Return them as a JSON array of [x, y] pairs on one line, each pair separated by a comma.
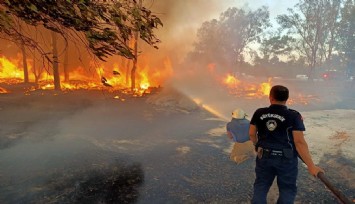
[[238, 131]]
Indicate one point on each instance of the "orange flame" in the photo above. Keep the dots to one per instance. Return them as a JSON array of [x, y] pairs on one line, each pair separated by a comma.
[[110, 77], [265, 87], [242, 88], [246, 89], [3, 90], [231, 81], [9, 70]]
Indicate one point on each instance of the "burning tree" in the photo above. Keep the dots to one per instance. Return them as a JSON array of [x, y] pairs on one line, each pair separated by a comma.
[[104, 27]]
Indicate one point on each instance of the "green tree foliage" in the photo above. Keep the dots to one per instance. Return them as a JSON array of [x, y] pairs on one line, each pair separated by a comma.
[[314, 25], [239, 28], [223, 41], [208, 40], [347, 35], [275, 57], [107, 25], [276, 46], [10, 29]]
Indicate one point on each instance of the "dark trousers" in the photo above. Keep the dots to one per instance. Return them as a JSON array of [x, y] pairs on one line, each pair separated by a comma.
[[267, 169]]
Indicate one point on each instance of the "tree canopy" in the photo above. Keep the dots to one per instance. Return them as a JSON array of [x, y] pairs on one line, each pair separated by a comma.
[[106, 25], [346, 41], [314, 25], [228, 37]]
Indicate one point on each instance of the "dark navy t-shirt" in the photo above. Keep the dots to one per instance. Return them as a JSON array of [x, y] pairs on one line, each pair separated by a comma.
[[275, 125]]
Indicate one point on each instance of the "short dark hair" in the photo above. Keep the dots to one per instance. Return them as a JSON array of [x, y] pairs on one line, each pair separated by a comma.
[[279, 93]]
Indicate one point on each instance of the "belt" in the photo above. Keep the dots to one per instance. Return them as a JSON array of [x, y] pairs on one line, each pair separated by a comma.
[[272, 152], [262, 152]]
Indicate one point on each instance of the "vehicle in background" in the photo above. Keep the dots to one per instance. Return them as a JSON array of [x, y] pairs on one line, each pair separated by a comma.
[[333, 75], [301, 77]]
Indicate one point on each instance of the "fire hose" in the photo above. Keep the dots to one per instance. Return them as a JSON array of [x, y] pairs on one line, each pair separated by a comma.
[[332, 188]]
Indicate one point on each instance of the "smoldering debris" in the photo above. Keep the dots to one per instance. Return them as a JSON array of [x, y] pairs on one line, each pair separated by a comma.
[[116, 183], [171, 100]]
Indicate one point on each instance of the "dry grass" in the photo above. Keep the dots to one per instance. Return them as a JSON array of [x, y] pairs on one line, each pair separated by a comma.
[[340, 137]]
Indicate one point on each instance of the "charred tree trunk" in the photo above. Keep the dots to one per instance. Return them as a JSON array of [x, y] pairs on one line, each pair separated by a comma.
[[37, 71], [135, 60], [24, 61], [128, 65], [125, 64], [24, 58], [34, 67], [65, 64], [55, 62]]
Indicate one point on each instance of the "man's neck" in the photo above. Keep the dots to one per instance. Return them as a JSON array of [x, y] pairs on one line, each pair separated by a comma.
[[278, 103]]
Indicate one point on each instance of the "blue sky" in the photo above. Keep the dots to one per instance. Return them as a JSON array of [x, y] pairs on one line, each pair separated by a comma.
[[276, 7]]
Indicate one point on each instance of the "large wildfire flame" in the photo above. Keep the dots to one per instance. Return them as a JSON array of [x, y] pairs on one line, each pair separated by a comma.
[[111, 78], [9, 73], [246, 89], [115, 78], [249, 90]]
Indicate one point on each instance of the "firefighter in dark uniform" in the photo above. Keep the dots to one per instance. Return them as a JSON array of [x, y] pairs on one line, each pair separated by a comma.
[[277, 133]]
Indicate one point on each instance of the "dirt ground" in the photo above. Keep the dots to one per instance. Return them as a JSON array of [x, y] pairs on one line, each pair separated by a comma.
[[87, 147]]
